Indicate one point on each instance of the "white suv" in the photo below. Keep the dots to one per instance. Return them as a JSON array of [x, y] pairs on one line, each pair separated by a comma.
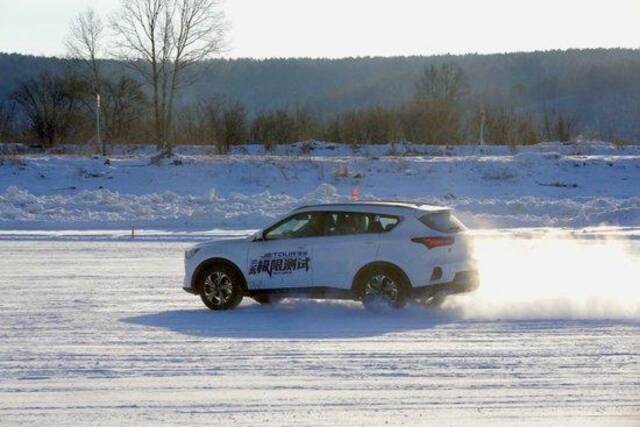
[[382, 253]]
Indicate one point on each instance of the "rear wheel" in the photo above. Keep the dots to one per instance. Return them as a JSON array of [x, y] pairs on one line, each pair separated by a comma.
[[384, 289], [220, 287]]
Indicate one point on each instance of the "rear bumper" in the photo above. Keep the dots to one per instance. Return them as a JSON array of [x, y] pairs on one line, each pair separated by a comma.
[[463, 281]]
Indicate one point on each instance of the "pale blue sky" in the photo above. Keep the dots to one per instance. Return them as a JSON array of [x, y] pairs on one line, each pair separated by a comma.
[[338, 28]]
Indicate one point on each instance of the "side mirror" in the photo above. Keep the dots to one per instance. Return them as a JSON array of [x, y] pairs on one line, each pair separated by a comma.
[[258, 236]]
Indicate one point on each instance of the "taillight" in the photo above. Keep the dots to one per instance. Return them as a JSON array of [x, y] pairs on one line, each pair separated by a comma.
[[434, 242]]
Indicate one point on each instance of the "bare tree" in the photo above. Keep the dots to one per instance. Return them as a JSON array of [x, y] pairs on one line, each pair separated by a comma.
[[446, 82], [558, 127], [85, 44], [435, 116], [161, 39], [50, 105], [7, 120], [123, 104], [234, 127], [505, 127]]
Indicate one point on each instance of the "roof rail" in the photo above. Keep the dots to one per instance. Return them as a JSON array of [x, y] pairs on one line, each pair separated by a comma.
[[399, 203], [404, 202]]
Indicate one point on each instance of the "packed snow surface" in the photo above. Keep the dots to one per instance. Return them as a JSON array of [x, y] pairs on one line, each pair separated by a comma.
[[99, 332], [95, 329], [547, 185]]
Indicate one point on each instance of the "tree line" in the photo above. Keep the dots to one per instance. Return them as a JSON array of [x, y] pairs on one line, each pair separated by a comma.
[[157, 89], [53, 109], [158, 40]]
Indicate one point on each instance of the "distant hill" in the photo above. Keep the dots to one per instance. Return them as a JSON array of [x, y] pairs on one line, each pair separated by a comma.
[[599, 87]]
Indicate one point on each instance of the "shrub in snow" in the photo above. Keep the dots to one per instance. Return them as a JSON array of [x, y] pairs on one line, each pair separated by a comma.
[[340, 170], [15, 161], [500, 173], [169, 197], [143, 211], [325, 193], [306, 147]]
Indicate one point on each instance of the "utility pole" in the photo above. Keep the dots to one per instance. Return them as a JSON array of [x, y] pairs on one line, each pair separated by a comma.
[[100, 144], [483, 116]]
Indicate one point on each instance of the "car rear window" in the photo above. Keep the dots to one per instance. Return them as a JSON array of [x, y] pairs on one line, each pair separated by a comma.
[[443, 222]]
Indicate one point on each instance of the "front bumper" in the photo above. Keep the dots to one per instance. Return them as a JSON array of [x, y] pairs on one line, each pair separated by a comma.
[[189, 271], [463, 281]]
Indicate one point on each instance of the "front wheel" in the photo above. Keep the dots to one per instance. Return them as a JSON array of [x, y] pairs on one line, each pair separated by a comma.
[[383, 290], [220, 288]]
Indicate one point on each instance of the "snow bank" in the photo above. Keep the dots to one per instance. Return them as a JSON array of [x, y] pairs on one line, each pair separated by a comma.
[[20, 208], [327, 149], [549, 185], [105, 207]]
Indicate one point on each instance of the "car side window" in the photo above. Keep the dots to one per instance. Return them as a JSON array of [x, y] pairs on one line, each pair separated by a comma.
[[306, 224], [387, 222], [349, 223]]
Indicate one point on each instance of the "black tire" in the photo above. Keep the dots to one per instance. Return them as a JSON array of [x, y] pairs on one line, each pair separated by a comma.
[[268, 299], [383, 288], [220, 287]]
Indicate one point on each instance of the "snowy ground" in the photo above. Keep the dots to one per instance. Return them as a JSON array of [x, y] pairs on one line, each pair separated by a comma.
[[547, 185], [94, 328], [98, 331]]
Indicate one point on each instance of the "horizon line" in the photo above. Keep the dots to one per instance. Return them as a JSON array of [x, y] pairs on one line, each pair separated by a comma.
[[338, 58]]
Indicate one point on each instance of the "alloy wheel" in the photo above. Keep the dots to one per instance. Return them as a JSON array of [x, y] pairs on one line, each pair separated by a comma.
[[218, 288]]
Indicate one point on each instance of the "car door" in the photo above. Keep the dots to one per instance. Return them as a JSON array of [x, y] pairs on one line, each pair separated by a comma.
[[283, 257], [351, 242]]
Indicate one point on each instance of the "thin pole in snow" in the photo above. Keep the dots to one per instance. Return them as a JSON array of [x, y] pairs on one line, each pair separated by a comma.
[[100, 144], [483, 116], [133, 232]]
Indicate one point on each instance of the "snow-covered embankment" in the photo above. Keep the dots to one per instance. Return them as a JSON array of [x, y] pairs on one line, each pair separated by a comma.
[[547, 185]]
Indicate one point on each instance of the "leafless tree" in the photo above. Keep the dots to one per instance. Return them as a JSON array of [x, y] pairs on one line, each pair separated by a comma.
[[445, 82], [7, 120], [85, 43], [161, 39], [505, 127], [123, 105], [559, 127], [50, 105], [435, 116]]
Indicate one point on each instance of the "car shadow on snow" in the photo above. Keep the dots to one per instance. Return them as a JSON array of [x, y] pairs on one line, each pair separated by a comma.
[[294, 319]]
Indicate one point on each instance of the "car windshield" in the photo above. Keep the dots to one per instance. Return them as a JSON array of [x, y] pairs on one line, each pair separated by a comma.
[[300, 225]]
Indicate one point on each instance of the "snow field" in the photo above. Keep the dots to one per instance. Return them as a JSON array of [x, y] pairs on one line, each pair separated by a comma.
[[95, 329], [99, 332]]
